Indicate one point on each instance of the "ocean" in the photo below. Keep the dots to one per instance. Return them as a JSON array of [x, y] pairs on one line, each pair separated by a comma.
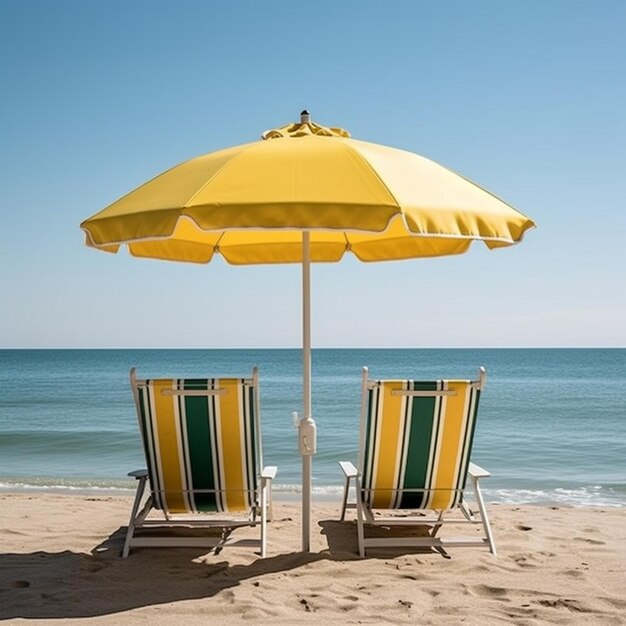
[[551, 427]]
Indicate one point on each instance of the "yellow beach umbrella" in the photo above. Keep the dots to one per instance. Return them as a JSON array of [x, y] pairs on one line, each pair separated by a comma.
[[305, 193]]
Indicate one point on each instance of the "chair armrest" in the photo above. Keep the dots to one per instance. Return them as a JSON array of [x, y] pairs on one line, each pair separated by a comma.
[[348, 469], [475, 471], [142, 473], [269, 472]]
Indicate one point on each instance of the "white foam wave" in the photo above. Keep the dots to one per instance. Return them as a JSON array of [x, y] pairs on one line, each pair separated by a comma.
[[592, 495], [65, 488]]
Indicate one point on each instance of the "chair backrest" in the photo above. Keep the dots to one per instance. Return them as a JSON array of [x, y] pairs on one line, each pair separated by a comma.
[[202, 440], [416, 440]]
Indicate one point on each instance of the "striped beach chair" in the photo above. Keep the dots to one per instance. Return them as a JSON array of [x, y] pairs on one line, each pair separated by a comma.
[[202, 442], [414, 460]]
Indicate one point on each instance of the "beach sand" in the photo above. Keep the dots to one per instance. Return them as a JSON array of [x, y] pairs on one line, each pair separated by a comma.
[[60, 560]]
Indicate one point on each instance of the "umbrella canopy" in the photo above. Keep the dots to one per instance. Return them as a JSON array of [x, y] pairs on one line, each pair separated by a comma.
[[305, 193], [248, 203]]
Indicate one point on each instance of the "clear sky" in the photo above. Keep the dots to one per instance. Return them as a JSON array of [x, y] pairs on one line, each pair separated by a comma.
[[526, 98]]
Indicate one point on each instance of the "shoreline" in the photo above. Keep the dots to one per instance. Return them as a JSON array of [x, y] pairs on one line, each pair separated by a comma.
[[60, 560], [330, 494]]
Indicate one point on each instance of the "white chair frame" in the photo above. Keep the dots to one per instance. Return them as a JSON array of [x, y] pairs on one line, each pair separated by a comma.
[[365, 515], [259, 515]]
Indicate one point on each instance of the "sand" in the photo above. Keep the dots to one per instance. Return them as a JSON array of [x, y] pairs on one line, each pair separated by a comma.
[[60, 561]]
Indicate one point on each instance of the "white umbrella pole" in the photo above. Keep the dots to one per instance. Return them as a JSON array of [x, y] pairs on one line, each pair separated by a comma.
[[307, 431]]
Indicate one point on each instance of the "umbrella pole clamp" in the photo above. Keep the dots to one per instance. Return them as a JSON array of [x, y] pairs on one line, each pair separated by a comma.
[[307, 436], [307, 443]]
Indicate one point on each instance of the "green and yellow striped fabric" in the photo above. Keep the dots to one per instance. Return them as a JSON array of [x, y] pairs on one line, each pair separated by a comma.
[[417, 448], [200, 449]]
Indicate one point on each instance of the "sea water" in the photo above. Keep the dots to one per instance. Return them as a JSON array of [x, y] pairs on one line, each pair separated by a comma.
[[551, 426]]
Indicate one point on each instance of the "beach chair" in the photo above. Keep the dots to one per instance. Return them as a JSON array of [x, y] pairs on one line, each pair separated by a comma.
[[202, 442], [414, 461]]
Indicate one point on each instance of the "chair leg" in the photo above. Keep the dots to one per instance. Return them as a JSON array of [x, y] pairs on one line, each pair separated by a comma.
[[360, 532], [133, 516], [270, 505], [264, 506], [344, 505], [484, 517]]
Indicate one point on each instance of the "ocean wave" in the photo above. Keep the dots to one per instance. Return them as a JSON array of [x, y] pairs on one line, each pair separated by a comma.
[[69, 486], [590, 495]]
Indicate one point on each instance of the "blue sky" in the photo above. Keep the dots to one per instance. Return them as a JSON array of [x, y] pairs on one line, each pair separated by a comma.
[[526, 98]]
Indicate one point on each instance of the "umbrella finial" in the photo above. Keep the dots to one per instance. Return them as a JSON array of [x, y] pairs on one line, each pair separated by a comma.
[[304, 128]]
